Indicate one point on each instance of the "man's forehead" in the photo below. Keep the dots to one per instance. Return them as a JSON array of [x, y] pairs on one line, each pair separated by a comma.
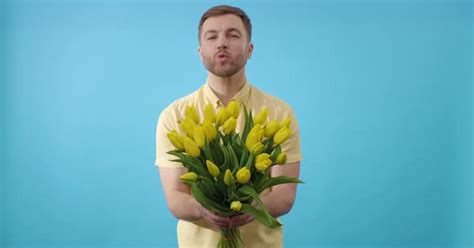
[[223, 23]]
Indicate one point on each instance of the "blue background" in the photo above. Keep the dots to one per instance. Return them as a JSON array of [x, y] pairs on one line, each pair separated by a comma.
[[382, 91]]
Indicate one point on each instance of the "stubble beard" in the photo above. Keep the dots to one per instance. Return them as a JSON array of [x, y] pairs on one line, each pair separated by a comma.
[[226, 69]]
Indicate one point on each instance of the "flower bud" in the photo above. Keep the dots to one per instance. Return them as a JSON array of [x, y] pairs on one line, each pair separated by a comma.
[[261, 157], [188, 125], [281, 135], [190, 176], [253, 137], [199, 136], [233, 109], [236, 206], [228, 178], [281, 158], [191, 148], [191, 113], [257, 148], [209, 113], [271, 128], [262, 162], [212, 168], [243, 175], [285, 122], [176, 139], [263, 165], [221, 116], [261, 117], [209, 130], [229, 125]]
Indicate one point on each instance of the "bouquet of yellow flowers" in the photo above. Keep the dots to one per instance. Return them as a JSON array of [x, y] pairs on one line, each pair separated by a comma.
[[227, 170]]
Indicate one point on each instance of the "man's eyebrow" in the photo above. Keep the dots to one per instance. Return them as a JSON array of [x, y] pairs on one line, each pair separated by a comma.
[[210, 31], [233, 29], [213, 31]]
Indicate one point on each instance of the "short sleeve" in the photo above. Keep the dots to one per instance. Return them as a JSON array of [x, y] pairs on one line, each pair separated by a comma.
[[292, 146], [167, 122]]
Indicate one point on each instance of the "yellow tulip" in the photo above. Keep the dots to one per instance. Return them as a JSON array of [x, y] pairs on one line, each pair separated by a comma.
[[257, 148], [285, 122], [255, 129], [263, 165], [188, 125], [271, 128], [191, 148], [281, 135], [261, 157], [176, 139], [233, 109], [281, 158], [261, 117], [209, 113], [212, 168], [236, 206], [262, 162], [243, 175], [190, 176], [221, 116], [191, 113], [229, 125], [261, 133], [199, 136], [209, 130], [228, 178], [253, 137]]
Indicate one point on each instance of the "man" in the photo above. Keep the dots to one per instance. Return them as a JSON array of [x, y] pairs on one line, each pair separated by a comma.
[[224, 47]]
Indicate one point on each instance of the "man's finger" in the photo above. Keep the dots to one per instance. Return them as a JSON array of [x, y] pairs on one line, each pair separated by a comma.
[[240, 220]]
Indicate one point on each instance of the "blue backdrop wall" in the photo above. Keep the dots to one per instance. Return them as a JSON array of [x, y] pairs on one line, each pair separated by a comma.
[[382, 91]]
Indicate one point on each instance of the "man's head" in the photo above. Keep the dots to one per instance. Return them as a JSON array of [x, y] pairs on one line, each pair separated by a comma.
[[224, 40]]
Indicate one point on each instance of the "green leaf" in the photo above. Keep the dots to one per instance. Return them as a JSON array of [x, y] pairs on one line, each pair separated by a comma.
[[250, 161], [237, 149], [276, 181], [276, 151], [251, 192], [208, 153], [196, 166], [247, 125], [233, 158], [260, 216], [245, 155], [217, 153], [224, 166], [207, 203]]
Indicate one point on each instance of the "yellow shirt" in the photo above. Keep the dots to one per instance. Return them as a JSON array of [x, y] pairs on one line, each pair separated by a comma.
[[198, 233]]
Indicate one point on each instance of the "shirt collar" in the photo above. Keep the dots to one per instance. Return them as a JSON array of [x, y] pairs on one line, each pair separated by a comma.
[[242, 95]]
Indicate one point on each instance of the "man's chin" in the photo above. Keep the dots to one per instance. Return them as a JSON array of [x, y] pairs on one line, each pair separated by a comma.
[[224, 73]]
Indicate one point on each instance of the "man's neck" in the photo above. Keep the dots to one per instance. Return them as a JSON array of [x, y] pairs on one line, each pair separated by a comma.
[[226, 87]]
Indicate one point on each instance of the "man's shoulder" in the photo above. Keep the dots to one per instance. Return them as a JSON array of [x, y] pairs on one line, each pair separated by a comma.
[[178, 105], [270, 100]]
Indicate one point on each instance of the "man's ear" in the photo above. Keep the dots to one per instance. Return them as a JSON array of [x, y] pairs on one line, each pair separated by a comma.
[[249, 50], [199, 51]]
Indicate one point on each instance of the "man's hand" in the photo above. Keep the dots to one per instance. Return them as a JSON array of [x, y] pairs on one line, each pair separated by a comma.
[[220, 222], [216, 221], [240, 220]]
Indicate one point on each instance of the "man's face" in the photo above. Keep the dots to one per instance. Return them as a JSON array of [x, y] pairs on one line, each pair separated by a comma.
[[224, 47]]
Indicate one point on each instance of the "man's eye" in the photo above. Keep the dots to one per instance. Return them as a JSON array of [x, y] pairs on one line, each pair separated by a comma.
[[211, 38]]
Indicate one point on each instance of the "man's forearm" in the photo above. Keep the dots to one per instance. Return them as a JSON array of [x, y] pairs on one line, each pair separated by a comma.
[[184, 206], [277, 204]]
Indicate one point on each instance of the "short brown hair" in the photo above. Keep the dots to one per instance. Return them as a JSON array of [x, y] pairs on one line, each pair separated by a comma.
[[223, 10]]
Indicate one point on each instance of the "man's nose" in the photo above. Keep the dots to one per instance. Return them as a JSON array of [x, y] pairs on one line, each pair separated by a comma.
[[223, 43]]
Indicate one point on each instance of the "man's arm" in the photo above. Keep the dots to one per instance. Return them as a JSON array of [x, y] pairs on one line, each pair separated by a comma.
[[180, 201], [181, 204], [280, 200]]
